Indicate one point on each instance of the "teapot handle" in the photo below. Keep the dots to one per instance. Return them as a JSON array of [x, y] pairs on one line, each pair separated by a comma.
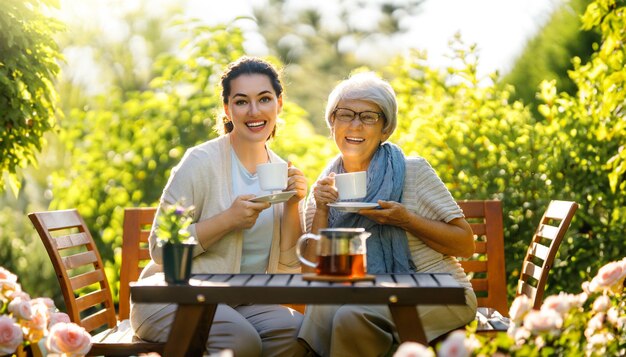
[[299, 244]]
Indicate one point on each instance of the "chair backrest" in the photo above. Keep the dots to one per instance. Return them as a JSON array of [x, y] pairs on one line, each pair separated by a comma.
[[486, 267], [543, 248], [78, 267], [135, 251]]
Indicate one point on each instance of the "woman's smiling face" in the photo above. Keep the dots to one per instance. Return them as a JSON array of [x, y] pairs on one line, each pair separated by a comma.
[[357, 141], [253, 107]]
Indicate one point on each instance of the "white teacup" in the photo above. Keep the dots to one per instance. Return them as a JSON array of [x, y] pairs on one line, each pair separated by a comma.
[[272, 176], [351, 185]]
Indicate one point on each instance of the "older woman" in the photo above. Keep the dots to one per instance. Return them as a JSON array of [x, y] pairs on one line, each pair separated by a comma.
[[418, 228]]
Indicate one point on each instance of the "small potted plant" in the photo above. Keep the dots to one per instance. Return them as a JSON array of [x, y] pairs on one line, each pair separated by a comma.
[[176, 242]]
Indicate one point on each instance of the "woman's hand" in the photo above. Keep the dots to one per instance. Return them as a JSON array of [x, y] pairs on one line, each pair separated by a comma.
[[243, 213], [296, 182], [390, 212], [453, 238], [324, 192]]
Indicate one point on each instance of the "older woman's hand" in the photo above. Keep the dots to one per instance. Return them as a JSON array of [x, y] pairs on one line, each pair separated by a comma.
[[296, 182], [324, 191], [391, 213]]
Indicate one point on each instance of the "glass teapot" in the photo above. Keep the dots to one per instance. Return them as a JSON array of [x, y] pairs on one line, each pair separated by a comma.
[[340, 251]]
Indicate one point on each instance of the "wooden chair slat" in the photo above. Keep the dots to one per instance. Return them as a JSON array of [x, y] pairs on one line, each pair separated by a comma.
[[548, 232], [481, 247], [79, 260], [86, 279], [559, 210], [95, 320], [125, 348], [474, 266], [479, 229], [529, 269], [526, 289], [121, 341], [473, 209], [479, 284], [91, 299], [143, 236], [64, 219], [71, 240], [539, 250]]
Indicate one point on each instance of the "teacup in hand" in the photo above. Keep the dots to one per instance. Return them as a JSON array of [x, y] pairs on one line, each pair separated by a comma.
[[272, 176], [351, 185]]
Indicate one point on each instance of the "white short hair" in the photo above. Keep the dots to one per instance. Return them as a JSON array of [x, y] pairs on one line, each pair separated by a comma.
[[369, 87]]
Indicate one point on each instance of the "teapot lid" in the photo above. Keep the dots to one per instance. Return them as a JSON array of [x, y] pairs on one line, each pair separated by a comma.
[[341, 232]]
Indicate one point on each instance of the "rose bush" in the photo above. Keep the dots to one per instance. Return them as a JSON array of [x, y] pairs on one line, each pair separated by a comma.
[[25, 321], [590, 323]]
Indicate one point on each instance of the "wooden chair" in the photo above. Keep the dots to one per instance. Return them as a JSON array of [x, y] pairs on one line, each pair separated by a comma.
[[543, 248], [84, 285], [486, 267], [135, 251], [486, 221]]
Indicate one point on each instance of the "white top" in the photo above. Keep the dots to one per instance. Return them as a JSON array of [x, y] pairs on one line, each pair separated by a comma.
[[258, 239]]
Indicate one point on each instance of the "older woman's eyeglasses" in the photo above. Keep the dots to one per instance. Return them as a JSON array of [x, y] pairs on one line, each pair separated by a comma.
[[366, 117]]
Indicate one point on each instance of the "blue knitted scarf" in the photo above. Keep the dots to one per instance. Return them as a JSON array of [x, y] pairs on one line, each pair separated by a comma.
[[387, 247]]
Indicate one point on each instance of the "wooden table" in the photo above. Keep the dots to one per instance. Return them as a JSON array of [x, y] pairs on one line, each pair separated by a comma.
[[198, 300]]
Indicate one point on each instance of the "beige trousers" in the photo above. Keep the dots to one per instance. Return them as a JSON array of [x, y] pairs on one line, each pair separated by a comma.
[[368, 330], [247, 330]]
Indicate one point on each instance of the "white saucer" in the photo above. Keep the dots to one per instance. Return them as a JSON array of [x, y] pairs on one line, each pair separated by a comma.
[[274, 197], [353, 206]]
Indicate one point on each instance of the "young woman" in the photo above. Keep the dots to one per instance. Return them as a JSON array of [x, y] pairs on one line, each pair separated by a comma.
[[234, 234], [418, 228]]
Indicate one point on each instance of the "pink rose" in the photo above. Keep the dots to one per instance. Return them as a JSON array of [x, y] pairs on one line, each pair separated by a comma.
[[519, 334], [543, 321], [610, 277], [586, 287], [10, 335], [454, 345], [18, 293], [21, 309], [68, 338], [602, 304], [57, 317], [7, 275], [9, 287], [45, 301], [413, 349], [38, 324], [595, 323], [519, 308], [563, 302]]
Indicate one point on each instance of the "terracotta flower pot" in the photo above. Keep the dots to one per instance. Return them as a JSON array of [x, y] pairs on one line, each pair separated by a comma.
[[177, 259]]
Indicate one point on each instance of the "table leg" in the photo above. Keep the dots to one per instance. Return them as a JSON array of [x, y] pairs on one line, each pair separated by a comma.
[[408, 324], [190, 330]]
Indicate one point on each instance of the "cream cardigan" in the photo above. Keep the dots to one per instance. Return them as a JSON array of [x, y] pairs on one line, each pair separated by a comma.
[[204, 179]]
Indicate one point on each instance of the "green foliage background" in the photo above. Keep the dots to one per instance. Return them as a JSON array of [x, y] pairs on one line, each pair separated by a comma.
[[28, 55], [116, 149]]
